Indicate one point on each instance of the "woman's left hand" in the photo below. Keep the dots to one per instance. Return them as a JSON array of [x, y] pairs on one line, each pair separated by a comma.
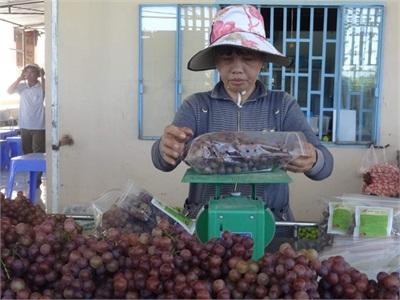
[[305, 162]]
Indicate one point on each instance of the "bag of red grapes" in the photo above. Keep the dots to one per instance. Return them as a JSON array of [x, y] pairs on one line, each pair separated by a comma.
[[230, 152], [128, 209], [358, 253], [380, 177]]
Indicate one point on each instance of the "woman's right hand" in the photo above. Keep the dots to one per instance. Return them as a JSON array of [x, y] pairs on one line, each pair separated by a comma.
[[172, 144]]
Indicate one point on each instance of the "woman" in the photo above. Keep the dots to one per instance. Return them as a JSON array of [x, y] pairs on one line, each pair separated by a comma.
[[239, 102]]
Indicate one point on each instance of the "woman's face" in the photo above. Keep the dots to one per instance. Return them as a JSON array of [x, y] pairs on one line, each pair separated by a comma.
[[238, 69]]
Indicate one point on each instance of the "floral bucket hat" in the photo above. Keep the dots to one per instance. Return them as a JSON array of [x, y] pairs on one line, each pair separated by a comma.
[[239, 26]]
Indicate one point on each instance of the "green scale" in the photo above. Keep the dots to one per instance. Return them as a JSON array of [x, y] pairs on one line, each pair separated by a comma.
[[246, 215]]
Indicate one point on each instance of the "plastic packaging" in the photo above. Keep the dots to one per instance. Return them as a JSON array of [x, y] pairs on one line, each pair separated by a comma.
[[373, 221], [243, 152], [188, 224], [370, 159], [364, 215], [128, 209], [368, 255], [380, 177], [341, 219], [382, 180]]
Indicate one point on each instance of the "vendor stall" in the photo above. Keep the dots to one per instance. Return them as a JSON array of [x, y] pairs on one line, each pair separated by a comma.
[[127, 244]]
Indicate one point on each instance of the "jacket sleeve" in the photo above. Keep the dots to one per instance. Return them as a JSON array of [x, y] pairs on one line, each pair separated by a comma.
[[295, 120], [185, 117]]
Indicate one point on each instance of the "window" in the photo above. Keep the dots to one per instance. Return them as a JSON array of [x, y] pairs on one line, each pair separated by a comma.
[[334, 75], [158, 58], [360, 72]]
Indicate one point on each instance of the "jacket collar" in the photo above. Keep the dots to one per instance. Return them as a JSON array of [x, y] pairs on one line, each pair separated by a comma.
[[219, 92]]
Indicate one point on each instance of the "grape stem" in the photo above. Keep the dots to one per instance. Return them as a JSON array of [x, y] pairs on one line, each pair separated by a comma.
[[5, 268], [15, 251], [170, 236]]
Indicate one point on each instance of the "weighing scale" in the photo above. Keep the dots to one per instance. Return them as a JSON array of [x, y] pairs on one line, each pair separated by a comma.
[[245, 215]]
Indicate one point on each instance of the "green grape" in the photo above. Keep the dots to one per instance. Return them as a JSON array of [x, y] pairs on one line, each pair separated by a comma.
[[308, 233]]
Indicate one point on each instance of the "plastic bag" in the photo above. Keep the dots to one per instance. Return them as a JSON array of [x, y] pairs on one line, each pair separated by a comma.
[[370, 159], [243, 152], [368, 255], [128, 209], [379, 176], [364, 216], [382, 180]]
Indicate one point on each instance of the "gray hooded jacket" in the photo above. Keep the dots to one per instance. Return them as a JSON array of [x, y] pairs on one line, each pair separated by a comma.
[[214, 111]]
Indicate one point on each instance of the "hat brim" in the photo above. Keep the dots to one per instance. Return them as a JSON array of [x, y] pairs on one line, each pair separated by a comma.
[[204, 59]]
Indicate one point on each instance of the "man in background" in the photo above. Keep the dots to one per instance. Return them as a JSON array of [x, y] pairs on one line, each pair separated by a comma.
[[31, 119]]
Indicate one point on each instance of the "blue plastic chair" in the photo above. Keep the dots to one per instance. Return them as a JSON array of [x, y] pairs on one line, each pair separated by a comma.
[[5, 132], [15, 145], [32, 163], [4, 156]]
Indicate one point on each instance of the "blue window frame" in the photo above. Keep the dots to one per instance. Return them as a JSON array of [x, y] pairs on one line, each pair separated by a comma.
[[335, 74]]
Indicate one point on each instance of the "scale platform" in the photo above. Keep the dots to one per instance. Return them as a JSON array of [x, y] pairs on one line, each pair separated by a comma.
[[245, 215], [274, 176]]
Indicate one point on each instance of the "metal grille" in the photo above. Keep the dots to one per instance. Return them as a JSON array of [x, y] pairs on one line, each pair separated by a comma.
[[308, 36]]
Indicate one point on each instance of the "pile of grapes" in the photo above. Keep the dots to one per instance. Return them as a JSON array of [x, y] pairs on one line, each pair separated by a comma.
[[53, 259]]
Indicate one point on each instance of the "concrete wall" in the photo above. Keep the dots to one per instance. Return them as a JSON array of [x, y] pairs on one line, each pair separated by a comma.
[[98, 61]]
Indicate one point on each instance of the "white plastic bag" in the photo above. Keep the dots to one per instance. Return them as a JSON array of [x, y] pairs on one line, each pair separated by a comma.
[[370, 159]]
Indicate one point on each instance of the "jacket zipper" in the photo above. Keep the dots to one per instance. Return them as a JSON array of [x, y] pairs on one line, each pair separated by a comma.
[[238, 119], [238, 129]]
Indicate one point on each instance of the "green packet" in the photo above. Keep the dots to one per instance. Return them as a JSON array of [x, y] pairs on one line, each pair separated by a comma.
[[373, 221], [341, 218], [176, 214]]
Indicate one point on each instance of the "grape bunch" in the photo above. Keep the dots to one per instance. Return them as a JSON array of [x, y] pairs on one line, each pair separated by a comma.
[[31, 255], [341, 281], [308, 233], [21, 210], [290, 274]]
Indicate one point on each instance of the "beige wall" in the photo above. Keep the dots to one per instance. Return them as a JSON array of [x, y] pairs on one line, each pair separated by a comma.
[[98, 59]]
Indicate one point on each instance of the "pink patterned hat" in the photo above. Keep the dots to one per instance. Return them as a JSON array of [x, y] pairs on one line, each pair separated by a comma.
[[239, 26]]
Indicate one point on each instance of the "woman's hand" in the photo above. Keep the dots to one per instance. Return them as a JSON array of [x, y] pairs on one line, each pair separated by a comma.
[[172, 144], [305, 162]]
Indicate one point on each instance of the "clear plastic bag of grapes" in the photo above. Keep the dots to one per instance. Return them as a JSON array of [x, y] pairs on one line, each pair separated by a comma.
[[128, 209], [243, 152], [358, 252]]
